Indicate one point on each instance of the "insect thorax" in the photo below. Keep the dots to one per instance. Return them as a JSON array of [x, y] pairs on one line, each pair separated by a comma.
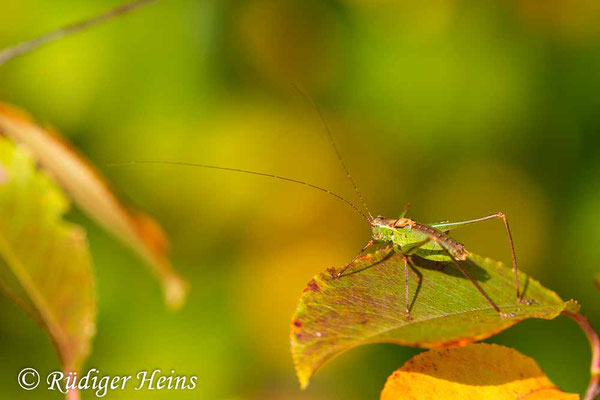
[[391, 230]]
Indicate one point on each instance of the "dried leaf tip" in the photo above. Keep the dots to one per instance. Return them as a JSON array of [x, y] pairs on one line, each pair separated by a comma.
[[175, 291]]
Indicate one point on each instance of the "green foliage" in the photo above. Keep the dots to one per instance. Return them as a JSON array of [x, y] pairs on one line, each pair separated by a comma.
[[366, 305], [45, 264]]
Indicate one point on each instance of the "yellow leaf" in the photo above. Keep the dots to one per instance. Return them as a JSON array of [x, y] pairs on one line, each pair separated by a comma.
[[45, 265], [478, 371], [90, 191]]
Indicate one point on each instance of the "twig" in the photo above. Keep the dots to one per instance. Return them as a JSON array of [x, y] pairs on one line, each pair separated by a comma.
[[593, 389], [25, 47]]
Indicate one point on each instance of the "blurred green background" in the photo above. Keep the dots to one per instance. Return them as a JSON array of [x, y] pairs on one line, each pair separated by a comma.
[[462, 108]]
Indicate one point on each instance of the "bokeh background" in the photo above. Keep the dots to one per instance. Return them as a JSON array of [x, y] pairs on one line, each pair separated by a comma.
[[462, 108]]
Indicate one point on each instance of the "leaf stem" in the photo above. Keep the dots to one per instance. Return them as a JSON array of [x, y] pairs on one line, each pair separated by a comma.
[[593, 389], [26, 46], [73, 394]]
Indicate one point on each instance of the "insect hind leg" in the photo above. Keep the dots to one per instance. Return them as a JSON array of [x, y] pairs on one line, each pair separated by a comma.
[[464, 272], [446, 226]]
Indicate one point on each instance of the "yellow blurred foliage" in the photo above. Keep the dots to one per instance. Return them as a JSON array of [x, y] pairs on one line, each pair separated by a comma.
[[478, 371], [420, 18], [281, 256]]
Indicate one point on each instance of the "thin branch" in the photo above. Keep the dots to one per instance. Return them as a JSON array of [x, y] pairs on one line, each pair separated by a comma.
[[593, 389], [29, 45]]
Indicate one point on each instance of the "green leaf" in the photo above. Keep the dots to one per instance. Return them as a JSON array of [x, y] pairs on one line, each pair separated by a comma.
[[45, 264], [366, 305]]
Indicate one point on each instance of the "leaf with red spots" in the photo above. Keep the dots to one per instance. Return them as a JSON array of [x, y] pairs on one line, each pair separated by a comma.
[[366, 305]]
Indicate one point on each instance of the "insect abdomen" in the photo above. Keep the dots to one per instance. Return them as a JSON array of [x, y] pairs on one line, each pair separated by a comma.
[[457, 248]]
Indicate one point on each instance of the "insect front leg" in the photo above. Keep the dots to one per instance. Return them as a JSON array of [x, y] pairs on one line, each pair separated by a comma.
[[369, 244]]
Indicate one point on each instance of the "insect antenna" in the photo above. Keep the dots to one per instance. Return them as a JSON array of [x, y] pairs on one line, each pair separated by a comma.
[[29, 45], [336, 149], [244, 171]]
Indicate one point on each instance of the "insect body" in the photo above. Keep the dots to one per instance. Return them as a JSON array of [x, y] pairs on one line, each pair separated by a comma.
[[408, 237]]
